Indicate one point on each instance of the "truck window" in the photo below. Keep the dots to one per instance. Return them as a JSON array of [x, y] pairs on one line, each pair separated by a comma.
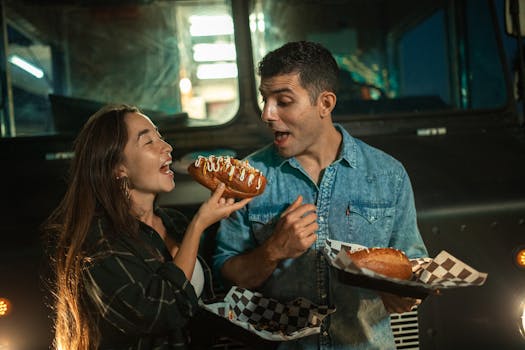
[[395, 57], [176, 60]]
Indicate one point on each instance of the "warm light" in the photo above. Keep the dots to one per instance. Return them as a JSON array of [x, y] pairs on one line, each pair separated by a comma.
[[522, 323], [5, 344], [28, 67], [185, 86], [217, 71], [211, 25], [214, 52], [520, 257], [5, 307]]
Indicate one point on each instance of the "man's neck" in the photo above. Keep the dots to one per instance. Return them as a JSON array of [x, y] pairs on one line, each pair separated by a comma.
[[323, 154]]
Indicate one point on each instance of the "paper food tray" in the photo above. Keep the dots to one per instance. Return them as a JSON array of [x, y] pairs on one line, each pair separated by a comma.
[[269, 318], [430, 276]]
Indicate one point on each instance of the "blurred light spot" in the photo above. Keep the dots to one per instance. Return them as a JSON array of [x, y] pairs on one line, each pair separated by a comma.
[[5, 307]]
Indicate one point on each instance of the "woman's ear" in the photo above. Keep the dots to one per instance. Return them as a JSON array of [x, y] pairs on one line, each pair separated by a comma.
[[121, 171], [327, 102]]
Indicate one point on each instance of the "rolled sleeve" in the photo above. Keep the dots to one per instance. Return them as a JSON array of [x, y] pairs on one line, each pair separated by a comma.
[[233, 238], [136, 299]]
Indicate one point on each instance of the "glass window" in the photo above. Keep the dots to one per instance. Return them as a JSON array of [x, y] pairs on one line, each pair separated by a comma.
[[486, 83], [176, 60], [407, 56], [31, 77]]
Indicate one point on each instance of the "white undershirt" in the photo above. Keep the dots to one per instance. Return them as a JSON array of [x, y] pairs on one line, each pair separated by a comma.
[[197, 279]]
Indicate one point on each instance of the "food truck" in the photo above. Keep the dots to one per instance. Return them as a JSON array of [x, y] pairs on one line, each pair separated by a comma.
[[437, 84]]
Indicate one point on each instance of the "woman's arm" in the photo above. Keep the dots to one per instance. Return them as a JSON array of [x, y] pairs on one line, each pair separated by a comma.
[[211, 211]]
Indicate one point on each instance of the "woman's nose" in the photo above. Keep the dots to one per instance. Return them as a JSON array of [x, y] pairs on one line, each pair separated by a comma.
[[167, 147]]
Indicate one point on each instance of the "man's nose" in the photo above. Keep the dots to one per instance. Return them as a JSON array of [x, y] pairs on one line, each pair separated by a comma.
[[269, 113]]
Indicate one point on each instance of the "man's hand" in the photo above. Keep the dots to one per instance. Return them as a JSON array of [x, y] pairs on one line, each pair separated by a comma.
[[398, 304], [294, 232]]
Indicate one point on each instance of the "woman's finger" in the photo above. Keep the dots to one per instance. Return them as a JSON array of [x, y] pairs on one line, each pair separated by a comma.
[[238, 205], [217, 194]]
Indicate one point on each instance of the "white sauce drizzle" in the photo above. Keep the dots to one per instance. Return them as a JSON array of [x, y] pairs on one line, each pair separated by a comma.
[[215, 164]]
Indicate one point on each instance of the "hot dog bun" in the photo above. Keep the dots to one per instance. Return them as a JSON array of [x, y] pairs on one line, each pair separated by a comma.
[[389, 262], [241, 179]]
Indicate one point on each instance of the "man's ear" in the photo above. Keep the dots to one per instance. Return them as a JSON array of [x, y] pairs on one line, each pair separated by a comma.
[[326, 104]]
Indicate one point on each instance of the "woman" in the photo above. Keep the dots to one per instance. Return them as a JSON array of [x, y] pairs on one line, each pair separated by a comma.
[[122, 266]]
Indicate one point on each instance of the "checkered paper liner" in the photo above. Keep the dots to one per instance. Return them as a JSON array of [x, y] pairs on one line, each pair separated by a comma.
[[444, 271], [269, 318]]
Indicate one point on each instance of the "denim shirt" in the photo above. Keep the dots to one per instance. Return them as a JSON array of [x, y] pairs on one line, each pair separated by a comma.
[[363, 197]]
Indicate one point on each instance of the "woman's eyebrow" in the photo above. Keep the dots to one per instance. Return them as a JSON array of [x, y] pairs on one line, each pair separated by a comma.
[[142, 132], [146, 131]]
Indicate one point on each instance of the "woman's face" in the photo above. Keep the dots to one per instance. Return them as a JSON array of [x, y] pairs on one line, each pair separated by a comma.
[[147, 159]]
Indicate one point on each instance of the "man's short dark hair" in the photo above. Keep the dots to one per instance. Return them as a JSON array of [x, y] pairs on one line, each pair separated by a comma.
[[317, 68]]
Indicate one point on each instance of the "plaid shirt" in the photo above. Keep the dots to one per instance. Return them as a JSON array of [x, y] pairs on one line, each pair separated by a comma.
[[141, 299]]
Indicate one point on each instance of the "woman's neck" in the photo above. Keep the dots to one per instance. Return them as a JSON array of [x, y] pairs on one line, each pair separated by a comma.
[[143, 210]]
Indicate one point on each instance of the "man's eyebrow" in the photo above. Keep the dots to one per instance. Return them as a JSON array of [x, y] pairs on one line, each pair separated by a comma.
[[276, 91]]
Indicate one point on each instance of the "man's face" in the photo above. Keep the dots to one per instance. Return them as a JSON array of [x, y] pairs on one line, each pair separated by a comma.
[[289, 113]]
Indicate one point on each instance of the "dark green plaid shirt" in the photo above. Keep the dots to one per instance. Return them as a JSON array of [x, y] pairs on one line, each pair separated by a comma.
[[141, 298]]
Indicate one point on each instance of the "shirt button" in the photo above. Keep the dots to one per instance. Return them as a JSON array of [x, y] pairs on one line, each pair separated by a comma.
[[321, 219], [325, 333]]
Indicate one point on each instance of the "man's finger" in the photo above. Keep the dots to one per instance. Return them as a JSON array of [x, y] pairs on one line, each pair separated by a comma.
[[304, 211], [308, 230], [298, 201]]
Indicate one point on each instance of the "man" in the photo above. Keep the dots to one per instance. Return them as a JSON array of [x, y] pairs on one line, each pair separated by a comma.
[[321, 183]]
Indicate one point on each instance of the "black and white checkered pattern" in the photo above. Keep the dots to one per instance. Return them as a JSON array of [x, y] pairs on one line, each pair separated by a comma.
[[448, 271], [269, 318], [333, 247]]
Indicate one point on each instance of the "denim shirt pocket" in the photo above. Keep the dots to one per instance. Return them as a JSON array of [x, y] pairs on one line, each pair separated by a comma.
[[370, 226], [263, 224]]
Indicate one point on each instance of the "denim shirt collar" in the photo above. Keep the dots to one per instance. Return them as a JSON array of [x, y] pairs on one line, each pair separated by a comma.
[[348, 153]]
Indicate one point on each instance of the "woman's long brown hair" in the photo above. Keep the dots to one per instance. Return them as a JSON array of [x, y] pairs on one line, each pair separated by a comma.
[[93, 189]]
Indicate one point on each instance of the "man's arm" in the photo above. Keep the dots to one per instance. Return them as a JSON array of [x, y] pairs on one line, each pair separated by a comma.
[[293, 235], [405, 232], [405, 236]]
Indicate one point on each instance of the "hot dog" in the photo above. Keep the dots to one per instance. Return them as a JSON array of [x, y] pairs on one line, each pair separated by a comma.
[[389, 262], [241, 179]]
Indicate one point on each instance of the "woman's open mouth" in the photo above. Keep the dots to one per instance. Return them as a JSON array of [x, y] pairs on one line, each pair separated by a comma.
[[165, 168]]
